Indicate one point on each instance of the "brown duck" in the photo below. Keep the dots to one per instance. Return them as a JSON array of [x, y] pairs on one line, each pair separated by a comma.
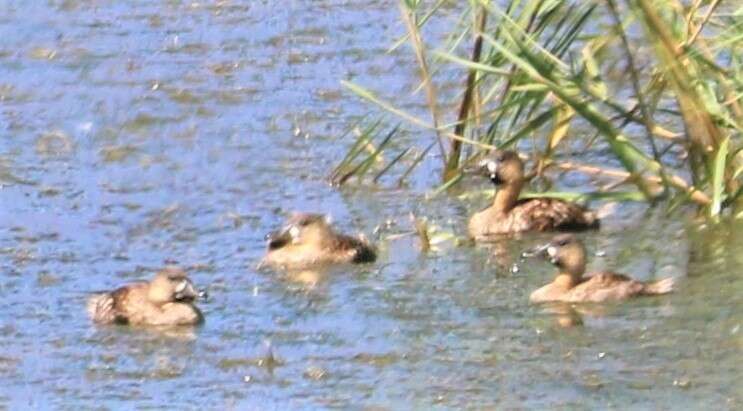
[[508, 214], [166, 300], [570, 285], [307, 240]]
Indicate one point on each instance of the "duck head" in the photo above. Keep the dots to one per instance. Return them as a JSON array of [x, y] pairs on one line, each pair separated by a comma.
[[566, 252], [501, 167], [171, 284], [301, 228]]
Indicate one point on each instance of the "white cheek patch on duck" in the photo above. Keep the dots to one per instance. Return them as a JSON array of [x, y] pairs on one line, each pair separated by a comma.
[[492, 168], [181, 287], [552, 252], [294, 233]]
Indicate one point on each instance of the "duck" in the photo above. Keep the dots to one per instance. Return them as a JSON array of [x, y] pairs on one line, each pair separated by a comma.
[[570, 285], [307, 240], [508, 214], [166, 300]]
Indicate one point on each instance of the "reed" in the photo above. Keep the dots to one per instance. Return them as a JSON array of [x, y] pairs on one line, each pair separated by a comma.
[[658, 84]]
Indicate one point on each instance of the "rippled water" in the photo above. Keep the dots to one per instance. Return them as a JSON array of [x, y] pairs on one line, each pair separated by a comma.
[[138, 133]]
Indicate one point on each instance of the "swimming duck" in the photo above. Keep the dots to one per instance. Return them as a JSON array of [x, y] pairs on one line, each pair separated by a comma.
[[570, 285], [307, 240], [508, 214], [166, 300]]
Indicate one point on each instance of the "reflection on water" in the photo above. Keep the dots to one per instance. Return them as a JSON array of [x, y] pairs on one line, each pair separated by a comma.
[[565, 315], [307, 278], [138, 134]]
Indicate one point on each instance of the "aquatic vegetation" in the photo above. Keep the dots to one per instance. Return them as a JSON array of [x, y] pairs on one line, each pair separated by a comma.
[[657, 85]]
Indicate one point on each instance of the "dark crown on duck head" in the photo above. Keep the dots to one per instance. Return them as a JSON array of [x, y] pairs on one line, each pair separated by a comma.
[[502, 166]]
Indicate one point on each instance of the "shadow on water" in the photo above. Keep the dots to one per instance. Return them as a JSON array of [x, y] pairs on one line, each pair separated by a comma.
[[134, 135]]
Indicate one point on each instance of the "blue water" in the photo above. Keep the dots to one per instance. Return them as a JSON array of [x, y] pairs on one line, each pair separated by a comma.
[[135, 134]]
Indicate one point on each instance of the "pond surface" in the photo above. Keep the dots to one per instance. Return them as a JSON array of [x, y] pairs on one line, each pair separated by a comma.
[[134, 134]]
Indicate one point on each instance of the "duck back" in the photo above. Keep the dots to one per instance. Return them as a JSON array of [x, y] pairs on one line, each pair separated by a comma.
[[533, 214], [129, 305], [110, 308], [545, 214], [607, 286], [340, 249], [101, 308]]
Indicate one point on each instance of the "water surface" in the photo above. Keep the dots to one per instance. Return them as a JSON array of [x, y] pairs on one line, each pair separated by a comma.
[[133, 134]]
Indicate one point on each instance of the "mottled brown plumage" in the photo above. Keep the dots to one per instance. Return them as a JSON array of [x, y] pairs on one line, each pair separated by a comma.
[[307, 240], [166, 300], [508, 214], [570, 285]]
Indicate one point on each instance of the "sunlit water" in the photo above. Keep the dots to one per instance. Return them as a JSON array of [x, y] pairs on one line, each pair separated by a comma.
[[133, 134]]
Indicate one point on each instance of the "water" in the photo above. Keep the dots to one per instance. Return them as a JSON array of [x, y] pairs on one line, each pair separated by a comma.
[[133, 134]]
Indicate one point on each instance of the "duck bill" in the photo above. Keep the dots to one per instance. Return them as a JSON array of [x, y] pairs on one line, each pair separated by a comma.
[[546, 251], [278, 239], [538, 251], [472, 170], [185, 291], [484, 167]]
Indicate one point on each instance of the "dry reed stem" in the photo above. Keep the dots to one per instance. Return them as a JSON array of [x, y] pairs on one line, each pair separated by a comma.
[[697, 196], [417, 43], [452, 163]]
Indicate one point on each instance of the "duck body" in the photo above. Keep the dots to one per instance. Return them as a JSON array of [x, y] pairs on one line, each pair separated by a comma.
[[599, 287], [307, 240], [533, 214], [572, 286], [509, 214], [167, 300]]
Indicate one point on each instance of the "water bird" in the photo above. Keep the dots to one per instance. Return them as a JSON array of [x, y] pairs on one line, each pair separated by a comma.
[[307, 240], [166, 300], [509, 214], [570, 285]]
